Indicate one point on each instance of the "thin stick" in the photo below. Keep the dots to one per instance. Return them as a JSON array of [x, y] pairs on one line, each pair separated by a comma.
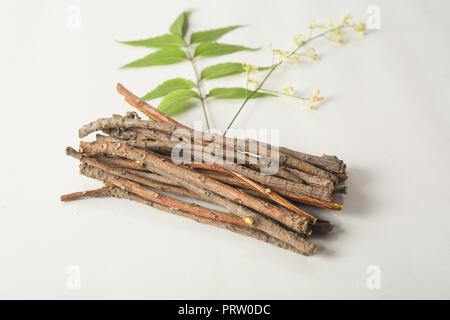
[[286, 157], [145, 108], [189, 178], [237, 228], [97, 193], [277, 231]]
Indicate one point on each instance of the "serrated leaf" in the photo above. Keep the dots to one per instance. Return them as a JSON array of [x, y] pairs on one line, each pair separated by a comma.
[[176, 101], [236, 93], [226, 69], [180, 25], [160, 57], [181, 107], [166, 40], [211, 35], [167, 87], [221, 70], [213, 49]]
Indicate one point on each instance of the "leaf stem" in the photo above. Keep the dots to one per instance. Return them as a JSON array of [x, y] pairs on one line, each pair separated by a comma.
[[197, 78], [275, 67]]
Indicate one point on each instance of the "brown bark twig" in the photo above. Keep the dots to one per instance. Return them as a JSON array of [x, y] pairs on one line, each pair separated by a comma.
[[237, 228], [277, 231], [190, 178]]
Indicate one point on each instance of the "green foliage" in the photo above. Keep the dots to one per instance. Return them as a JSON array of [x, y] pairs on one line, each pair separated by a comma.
[[176, 101], [214, 49], [225, 69], [222, 70], [167, 87], [180, 25], [178, 108], [211, 35], [160, 57], [236, 93], [166, 40], [172, 48]]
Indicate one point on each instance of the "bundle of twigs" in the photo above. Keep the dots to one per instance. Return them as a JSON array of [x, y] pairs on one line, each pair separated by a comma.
[[133, 158]]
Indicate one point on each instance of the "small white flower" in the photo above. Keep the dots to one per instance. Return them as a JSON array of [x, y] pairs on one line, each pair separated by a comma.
[[289, 90]]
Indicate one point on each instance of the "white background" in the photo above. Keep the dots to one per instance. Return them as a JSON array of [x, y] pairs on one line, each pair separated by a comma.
[[386, 114]]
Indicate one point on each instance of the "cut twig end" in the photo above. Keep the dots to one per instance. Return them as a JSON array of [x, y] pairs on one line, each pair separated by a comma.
[[248, 220], [338, 206]]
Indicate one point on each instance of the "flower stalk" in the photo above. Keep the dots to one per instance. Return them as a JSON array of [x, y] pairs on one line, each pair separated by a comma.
[[358, 26]]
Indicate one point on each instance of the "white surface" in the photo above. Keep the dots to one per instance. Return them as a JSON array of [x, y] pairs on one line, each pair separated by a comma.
[[386, 115]]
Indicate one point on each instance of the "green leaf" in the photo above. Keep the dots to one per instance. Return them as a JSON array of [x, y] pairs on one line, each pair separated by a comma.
[[226, 69], [235, 93], [180, 25], [211, 35], [213, 49], [167, 87], [179, 108], [163, 56], [222, 70], [175, 102], [166, 40]]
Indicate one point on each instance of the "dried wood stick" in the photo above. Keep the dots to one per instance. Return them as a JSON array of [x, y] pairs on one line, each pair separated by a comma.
[[262, 224], [341, 189], [117, 123], [149, 179], [97, 193], [244, 230], [270, 181], [214, 172], [165, 184], [287, 158], [207, 196], [115, 162], [285, 174], [189, 177], [154, 145], [237, 228], [144, 107], [122, 122], [154, 196], [322, 227], [137, 139], [328, 163], [312, 180], [307, 167], [290, 195], [342, 176], [273, 196]]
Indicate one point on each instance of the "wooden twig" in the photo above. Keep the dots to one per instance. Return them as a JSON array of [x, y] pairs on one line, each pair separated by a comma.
[[288, 157], [240, 228], [144, 107], [97, 193], [341, 189], [122, 122], [189, 178], [329, 163], [262, 224], [312, 180]]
